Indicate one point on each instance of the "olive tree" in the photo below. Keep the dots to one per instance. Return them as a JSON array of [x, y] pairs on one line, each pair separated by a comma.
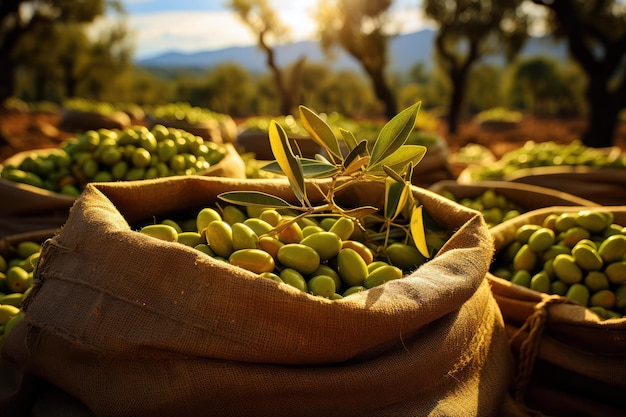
[[467, 31], [264, 22], [21, 18], [595, 31], [360, 28]]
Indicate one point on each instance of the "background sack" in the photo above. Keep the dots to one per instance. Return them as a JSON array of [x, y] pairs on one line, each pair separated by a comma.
[[606, 186], [583, 355], [27, 208], [131, 325], [529, 197], [78, 121]]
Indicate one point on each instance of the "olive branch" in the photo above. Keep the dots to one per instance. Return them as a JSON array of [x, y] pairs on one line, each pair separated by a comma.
[[389, 160]]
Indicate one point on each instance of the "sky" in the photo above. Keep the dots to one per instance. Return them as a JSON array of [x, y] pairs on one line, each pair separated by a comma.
[[161, 26]]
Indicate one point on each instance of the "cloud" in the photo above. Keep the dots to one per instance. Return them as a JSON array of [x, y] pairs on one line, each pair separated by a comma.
[[160, 31], [188, 31]]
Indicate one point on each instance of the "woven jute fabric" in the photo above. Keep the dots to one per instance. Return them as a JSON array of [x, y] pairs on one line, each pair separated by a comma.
[[78, 121], [588, 353], [134, 326]]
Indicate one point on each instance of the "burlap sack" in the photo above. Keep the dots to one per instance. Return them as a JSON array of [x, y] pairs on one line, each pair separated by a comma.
[[27, 208], [134, 326], [78, 121], [529, 197], [607, 186], [561, 346], [18, 389]]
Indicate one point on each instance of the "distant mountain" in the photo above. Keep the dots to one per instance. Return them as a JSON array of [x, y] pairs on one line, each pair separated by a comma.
[[405, 51]]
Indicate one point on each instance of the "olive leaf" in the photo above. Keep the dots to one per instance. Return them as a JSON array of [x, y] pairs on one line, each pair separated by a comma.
[[394, 134], [311, 168], [356, 165], [408, 173], [418, 233], [348, 138], [320, 132], [396, 196], [254, 198], [355, 152], [361, 212], [393, 174], [288, 162], [390, 160], [400, 158]]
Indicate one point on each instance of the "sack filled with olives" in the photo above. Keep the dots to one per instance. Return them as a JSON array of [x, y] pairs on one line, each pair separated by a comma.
[[163, 321], [39, 186], [559, 277]]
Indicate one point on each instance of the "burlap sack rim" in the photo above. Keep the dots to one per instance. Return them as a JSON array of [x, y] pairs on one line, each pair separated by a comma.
[[472, 216], [510, 189], [443, 263], [31, 189], [9, 241], [610, 173], [74, 119]]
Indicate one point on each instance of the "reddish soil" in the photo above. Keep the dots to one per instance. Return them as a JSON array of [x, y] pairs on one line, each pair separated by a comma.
[[26, 131]]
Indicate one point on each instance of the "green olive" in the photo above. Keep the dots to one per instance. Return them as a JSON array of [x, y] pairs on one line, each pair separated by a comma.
[[302, 258], [255, 260]]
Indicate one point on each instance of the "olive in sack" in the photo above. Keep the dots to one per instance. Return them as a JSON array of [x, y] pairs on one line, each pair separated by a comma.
[[579, 255], [495, 207], [317, 256], [16, 279]]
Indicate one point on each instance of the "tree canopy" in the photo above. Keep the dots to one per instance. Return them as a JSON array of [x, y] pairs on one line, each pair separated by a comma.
[[41, 22]]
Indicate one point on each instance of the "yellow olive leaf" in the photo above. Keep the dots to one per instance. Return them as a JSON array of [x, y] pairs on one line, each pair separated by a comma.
[[356, 164], [348, 138], [289, 164], [417, 231]]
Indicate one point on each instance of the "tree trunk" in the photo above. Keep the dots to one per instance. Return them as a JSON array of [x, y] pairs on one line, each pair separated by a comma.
[[456, 101], [383, 92], [603, 115], [8, 79], [69, 80], [40, 86], [286, 103]]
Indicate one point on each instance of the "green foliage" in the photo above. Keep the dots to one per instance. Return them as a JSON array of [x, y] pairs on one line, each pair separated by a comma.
[[390, 161], [546, 87], [499, 114], [51, 44]]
